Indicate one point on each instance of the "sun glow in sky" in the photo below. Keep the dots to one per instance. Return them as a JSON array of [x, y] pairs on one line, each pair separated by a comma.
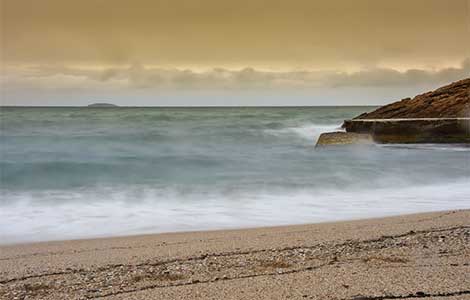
[[247, 52]]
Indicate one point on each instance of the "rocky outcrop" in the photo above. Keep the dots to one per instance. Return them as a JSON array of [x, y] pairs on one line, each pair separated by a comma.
[[450, 101], [441, 116], [432, 130], [344, 138]]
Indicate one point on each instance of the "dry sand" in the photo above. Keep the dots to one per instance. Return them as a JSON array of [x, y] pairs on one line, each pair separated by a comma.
[[405, 257]]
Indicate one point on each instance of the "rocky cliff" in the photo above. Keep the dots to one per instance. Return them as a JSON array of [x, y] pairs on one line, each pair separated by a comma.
[[450, 101]]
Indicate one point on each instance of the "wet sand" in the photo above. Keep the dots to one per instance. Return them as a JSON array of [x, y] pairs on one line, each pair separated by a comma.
[[404, 257]]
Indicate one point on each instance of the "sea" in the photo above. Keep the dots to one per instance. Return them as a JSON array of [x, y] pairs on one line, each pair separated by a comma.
[[78, 172]]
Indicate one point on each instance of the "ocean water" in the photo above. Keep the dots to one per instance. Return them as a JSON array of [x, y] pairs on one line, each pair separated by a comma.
[[83, 172]]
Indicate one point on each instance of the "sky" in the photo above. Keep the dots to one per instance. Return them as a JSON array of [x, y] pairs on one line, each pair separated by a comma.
[[218, 52]]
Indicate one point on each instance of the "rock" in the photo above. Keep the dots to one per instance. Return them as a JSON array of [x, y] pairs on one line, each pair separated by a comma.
[[344, 138], [440, 116], [450, 101], [444, 130]]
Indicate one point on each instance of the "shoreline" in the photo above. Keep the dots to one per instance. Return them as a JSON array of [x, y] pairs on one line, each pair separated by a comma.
[[416, 254], [240, 229]]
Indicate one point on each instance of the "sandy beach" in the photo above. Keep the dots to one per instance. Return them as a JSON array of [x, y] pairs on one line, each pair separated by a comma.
[[413, 256]]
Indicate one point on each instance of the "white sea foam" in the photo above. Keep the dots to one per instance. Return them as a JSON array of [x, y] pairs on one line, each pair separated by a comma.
[[309, 132], [98, 213]]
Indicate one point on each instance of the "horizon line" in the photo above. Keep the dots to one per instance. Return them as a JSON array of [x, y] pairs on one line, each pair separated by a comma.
[[185, 106]]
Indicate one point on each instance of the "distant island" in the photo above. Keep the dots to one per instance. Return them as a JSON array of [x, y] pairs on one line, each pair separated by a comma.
[[102, 105]]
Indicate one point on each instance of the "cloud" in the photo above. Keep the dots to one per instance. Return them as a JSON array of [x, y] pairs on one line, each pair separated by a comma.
[[388, 77], [305, 33], [137, 76]]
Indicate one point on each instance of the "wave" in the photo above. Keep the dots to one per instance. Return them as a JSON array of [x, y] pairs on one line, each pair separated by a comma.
[[54, 215], [308, 131]]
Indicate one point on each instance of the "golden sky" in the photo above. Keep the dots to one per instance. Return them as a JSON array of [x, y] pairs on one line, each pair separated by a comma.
[[225, 44]]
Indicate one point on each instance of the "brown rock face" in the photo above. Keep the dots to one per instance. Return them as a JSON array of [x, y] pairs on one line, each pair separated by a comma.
[[450, 101], [440, 130]]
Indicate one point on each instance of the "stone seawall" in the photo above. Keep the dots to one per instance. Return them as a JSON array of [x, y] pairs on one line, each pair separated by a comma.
[[418, 130]]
